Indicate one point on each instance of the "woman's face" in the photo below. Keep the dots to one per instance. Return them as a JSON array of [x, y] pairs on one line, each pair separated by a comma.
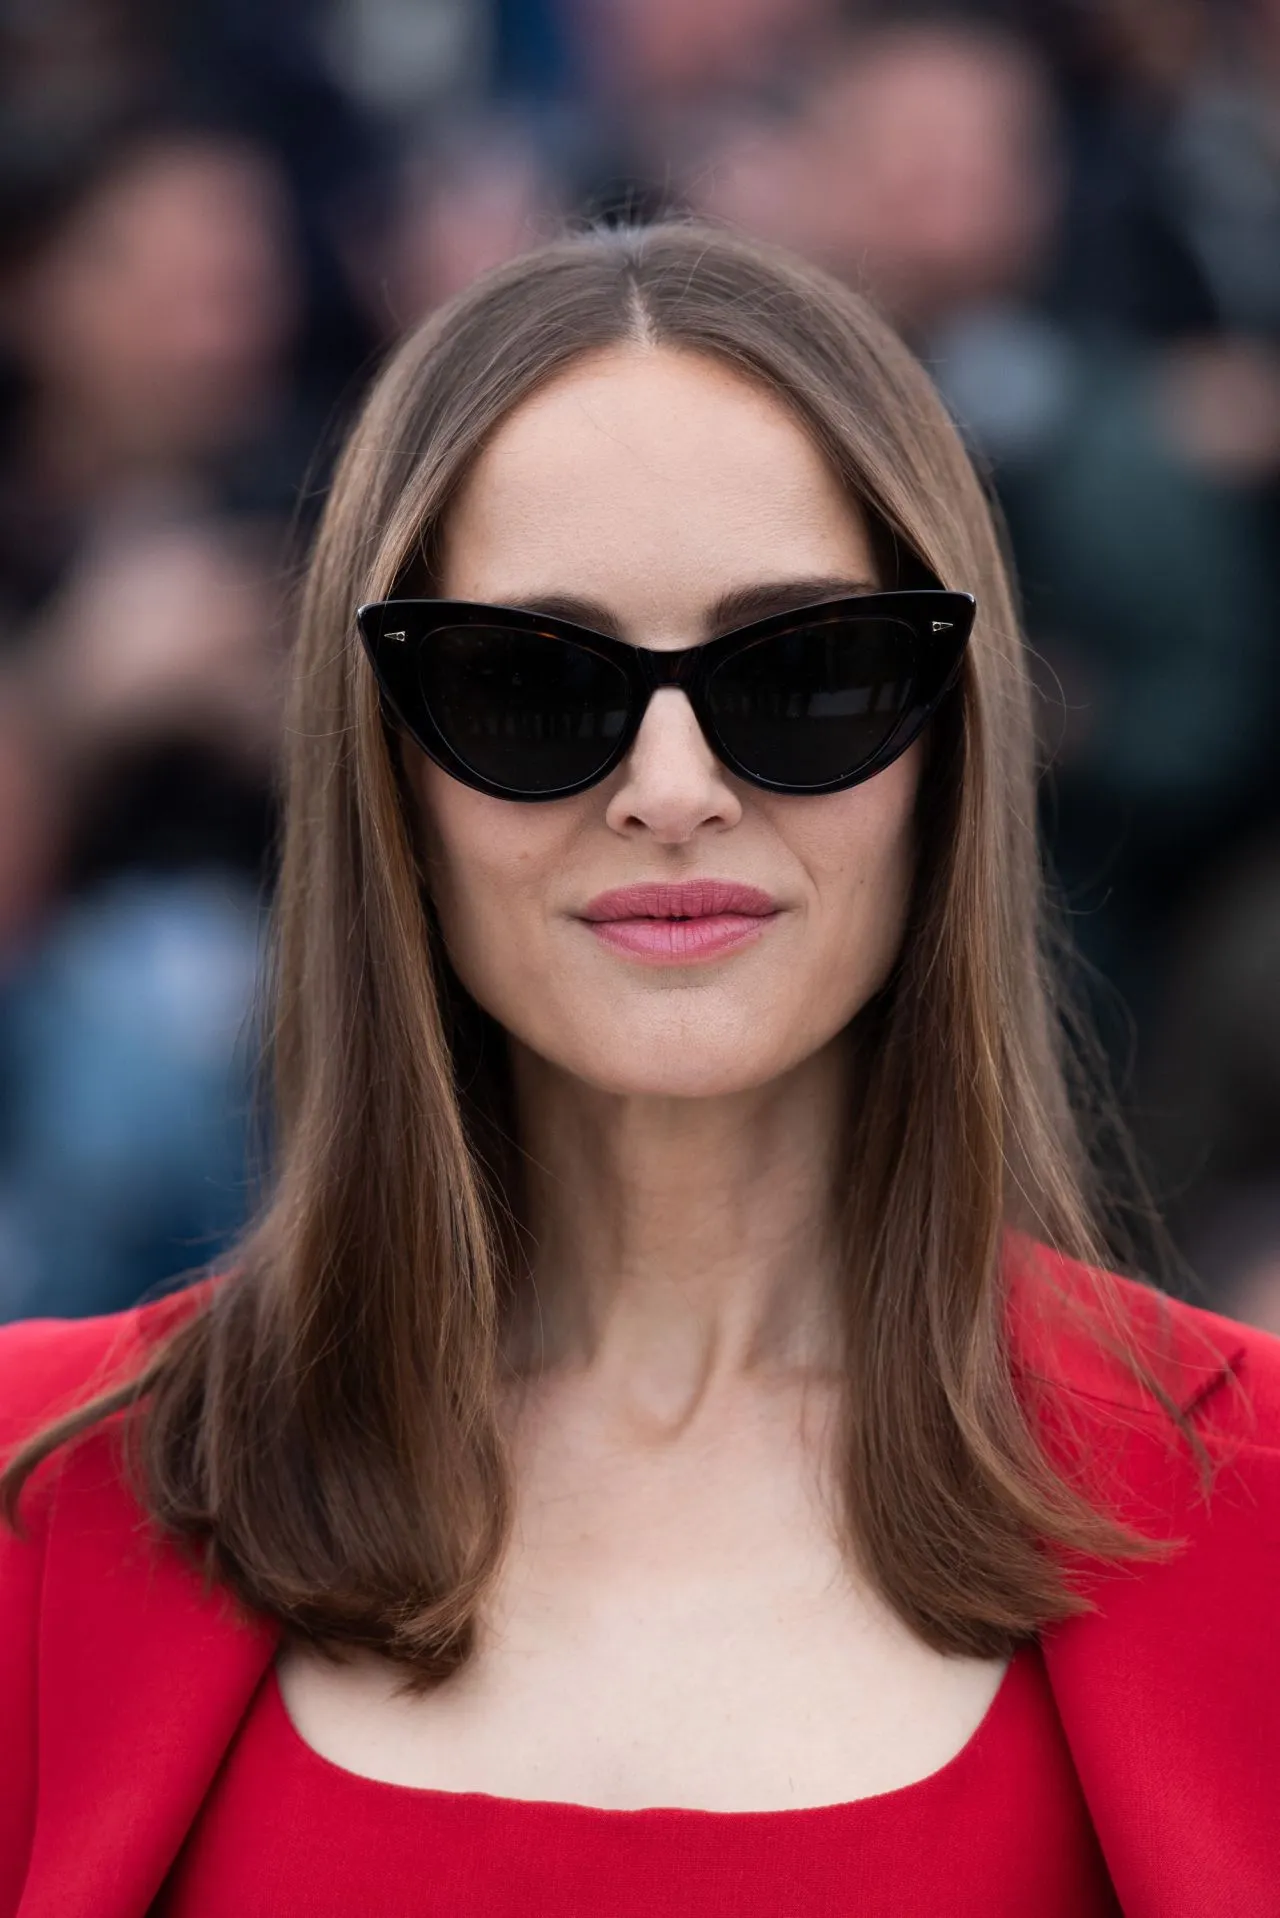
[[662, 497]]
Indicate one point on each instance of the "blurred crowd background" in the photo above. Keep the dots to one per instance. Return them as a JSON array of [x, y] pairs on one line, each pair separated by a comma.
[[215, 216]]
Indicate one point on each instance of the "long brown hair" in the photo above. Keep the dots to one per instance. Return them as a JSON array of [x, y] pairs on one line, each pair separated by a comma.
[[325, 1428]]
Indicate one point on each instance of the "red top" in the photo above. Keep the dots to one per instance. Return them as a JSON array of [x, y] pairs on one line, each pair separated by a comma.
[[125, 1677], [1001, 1828]]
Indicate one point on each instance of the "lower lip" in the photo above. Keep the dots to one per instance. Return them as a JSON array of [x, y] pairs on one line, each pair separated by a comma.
[[680, 942]]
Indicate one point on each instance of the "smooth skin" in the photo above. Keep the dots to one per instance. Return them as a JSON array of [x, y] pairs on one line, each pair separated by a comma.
[[677, 1621]]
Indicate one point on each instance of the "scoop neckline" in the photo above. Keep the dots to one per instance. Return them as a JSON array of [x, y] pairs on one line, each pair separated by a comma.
[[442, 1796]]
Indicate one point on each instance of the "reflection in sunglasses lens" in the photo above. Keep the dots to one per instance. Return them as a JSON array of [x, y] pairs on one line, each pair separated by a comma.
[[809, 706], [523, 709]]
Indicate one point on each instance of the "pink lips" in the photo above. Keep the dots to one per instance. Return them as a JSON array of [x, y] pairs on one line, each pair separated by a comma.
[[678, 924]]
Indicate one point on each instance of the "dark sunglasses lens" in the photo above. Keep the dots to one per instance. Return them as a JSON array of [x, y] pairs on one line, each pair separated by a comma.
[[525, 710], [812, 705]]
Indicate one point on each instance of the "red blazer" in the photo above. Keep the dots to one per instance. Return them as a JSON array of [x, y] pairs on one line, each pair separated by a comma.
[[122, 1680]]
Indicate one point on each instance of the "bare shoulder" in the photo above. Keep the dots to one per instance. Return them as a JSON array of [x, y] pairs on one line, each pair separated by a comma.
[[49, 1367]]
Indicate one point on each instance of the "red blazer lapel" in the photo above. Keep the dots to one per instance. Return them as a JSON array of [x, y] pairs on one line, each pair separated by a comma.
[[1169, 1692], [143, 1678], [1170, 1699]]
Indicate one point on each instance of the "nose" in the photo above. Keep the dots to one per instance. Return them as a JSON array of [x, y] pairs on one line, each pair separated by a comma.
[[672, 784]]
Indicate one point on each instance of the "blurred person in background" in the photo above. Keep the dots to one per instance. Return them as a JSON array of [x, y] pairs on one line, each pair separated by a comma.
[[930, 165], [148, 303], [77, 57], [1071, 210], [650, 77], [652, 61], [1216, 154], [471, 195], [1216, 1084]]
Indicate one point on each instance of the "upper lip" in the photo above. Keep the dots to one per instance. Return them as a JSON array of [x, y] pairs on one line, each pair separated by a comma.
[[689, 899]]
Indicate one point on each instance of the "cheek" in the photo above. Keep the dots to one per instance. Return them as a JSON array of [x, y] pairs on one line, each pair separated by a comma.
[[859, 851], [489, 866], [862, 843]]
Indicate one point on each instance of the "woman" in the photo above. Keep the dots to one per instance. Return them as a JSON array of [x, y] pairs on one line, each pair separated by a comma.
[[647, 1457]]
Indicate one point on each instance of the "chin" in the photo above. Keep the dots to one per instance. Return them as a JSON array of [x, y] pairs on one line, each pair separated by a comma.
[[680, 1072]]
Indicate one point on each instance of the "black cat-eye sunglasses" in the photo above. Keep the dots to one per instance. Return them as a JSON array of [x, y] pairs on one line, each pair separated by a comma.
[[527, 707]]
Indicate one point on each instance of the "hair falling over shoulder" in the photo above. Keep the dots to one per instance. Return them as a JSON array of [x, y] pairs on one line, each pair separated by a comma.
[[324, 1430]]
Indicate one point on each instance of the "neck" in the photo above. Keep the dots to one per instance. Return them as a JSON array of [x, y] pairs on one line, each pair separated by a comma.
[[681, 1241]]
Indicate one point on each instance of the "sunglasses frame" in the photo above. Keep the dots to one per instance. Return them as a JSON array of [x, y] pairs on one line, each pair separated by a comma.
[[939, 622]]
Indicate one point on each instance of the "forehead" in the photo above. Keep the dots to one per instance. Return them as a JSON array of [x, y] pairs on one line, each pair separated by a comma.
[[652, 478]]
